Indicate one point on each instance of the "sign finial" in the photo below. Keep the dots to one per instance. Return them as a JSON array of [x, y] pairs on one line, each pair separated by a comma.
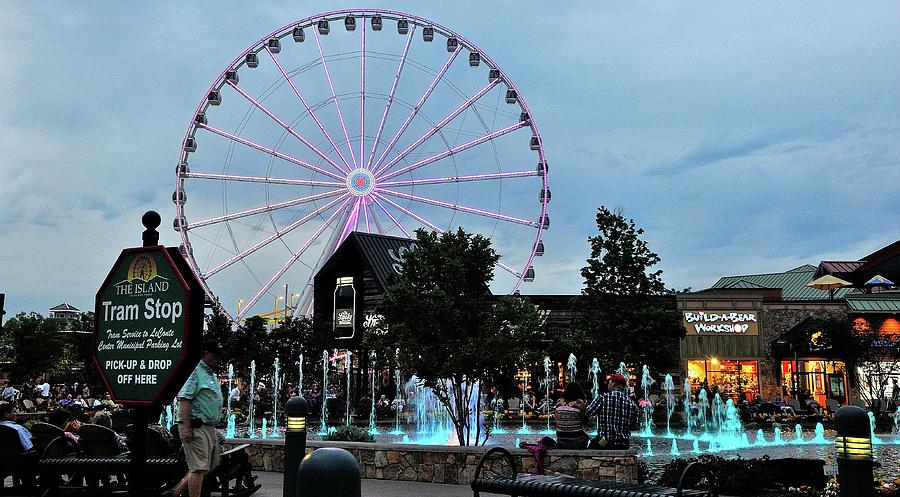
[[151, 221]]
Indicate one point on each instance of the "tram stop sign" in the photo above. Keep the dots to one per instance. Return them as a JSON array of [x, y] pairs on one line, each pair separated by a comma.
[[148, 326]]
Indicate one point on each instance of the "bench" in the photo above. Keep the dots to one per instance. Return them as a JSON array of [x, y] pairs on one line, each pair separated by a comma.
[[531, 485], [161, 473]]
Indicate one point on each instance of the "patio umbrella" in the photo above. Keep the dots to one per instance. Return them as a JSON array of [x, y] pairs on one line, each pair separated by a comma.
[[830, 283], [879, 280]]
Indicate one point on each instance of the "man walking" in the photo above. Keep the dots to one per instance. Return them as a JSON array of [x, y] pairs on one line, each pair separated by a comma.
[[199, 410], [616, 414]]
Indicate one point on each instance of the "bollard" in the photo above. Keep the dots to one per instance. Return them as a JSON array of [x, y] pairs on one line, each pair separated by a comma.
[[295, 409], [854, 452], [329, 472]]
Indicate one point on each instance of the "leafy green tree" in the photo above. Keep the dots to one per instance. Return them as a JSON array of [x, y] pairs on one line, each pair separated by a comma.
[[449, 330], [38, 347], [619, 317]]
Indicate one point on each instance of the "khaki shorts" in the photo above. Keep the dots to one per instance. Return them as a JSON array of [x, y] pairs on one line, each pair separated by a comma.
[[203, 452]]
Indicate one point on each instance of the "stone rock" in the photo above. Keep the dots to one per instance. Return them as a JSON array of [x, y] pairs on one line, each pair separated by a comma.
[[392, 472], [380, 459], [408, 474], [590, 474], [450, 474], [424, 472], [438, 473], [604, 472], [566, 465], [393, 456], [367, 456], [428, 458], [370, 471]]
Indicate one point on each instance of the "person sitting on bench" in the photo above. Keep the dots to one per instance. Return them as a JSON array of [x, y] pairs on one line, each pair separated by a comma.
[[8, 418], [570, 432], [616, 414]]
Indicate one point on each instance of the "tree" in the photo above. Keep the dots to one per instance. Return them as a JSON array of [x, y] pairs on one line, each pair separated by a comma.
[[449, 330], [620, 316], [38, 347]]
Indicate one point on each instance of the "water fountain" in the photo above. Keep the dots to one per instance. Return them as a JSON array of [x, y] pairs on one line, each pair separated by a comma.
[[230, 426], [432, 422], [668, 387], [674, 450], [547, 431], [372, 429], [702, 409], [688, 415], [347, 368], [820, 435], [300, 376], [730, 429], [896, 418], [594, 376], [760, 439], [777, 440], [264, 433], [323, 427], [276, 394], [572, 366], [696, 446], [524, 429], [798, 434], [646, 382], [397, 403], [875, 439], [717, 414], [251, 427], [649, 451], [230, 381]]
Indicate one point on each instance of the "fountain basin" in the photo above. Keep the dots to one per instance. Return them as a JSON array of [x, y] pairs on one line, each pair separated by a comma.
[[441, 464]]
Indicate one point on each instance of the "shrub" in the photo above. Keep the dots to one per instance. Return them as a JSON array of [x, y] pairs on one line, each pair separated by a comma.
[[749, 476], [349, 434]]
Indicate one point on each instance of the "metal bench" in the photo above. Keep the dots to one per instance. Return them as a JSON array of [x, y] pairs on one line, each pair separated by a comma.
[[531, 485], [162, 472]]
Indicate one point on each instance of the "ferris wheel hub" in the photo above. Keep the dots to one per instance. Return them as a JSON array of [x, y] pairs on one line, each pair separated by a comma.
[[360, 182]]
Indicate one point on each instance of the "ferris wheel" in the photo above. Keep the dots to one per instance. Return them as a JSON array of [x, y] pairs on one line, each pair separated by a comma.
[[354, 120]]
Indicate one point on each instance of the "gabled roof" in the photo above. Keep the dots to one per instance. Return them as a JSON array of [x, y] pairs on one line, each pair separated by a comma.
[[831, 267], [65, 307], [792, 283]]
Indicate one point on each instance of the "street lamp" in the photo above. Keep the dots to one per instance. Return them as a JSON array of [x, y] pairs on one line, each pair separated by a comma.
[[854, 452]]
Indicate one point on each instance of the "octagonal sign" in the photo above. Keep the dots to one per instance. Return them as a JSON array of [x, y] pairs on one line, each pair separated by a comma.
[[148, 325]]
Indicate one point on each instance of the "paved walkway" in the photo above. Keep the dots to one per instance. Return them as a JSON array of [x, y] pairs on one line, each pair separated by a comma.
[[271, 487]]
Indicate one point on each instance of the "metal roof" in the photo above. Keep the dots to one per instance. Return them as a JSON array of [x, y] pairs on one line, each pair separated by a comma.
[[792, 284], [874, 302], [65, 306], [829, 267], [383, 253]]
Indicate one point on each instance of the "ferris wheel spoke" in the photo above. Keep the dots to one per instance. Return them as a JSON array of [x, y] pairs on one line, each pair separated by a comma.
[[437, 127], [265, 208], [261, 148], [378, 226], [362, 110], [418, 106], [411, 214], [366, 215], [352, 220], [294, 257], [390, 100], [261, 179], [460, 179], [390, 216], [509, 269], [275, 236], [308, 108], [460, 208], [454, 150], [284, 125], [337, 105]]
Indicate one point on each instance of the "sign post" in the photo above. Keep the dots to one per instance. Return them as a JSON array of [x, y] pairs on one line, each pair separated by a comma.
[[147, 334]]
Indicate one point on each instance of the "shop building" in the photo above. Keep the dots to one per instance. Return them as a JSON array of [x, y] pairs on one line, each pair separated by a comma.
[[756, 335], [735, 338]]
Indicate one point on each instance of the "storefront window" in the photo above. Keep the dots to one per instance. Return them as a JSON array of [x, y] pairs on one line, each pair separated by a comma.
[[818, 379], [736, 380]]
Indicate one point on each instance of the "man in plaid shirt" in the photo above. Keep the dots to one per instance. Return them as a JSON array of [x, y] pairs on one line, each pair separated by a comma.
[[617, 415]]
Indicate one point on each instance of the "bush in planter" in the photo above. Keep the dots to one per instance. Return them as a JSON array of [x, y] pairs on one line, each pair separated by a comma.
[[750, 476], [349, 433]]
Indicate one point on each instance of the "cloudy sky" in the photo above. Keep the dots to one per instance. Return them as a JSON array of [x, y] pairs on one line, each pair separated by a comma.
[[743, 138]]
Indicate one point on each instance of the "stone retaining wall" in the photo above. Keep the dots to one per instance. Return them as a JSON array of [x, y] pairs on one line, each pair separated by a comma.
[[439, 464]]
